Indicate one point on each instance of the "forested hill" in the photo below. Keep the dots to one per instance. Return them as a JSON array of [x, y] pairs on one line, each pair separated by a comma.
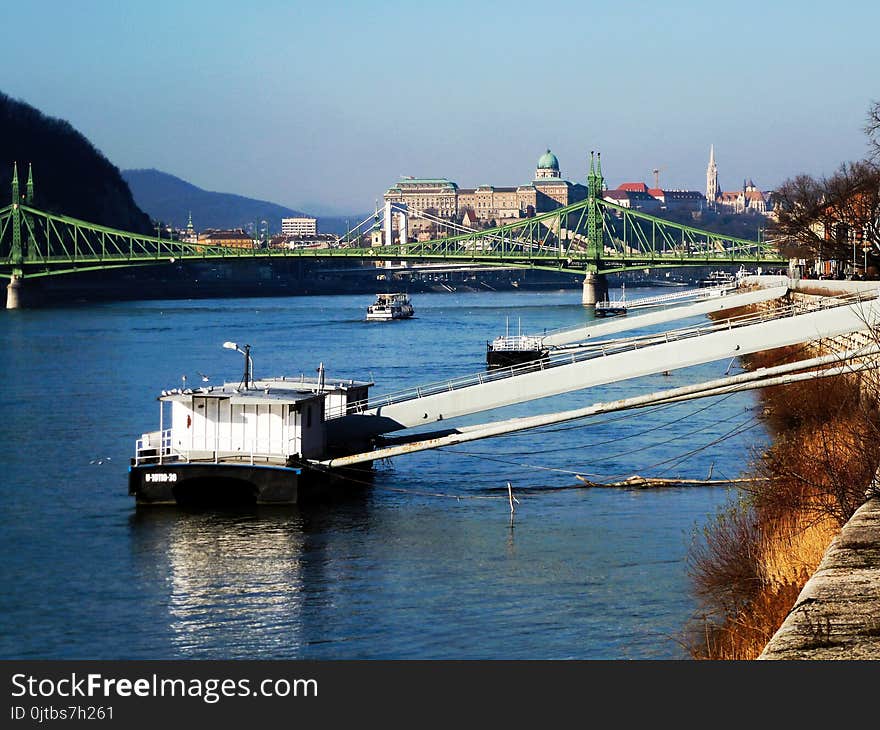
[[171, 200], [71, 177]]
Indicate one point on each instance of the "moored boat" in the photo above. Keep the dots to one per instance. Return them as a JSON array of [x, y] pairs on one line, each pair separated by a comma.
[[246, 442], [510, 351]]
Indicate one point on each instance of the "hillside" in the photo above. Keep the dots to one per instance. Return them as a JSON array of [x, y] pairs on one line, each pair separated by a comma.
[[171, 200], [70, 176]]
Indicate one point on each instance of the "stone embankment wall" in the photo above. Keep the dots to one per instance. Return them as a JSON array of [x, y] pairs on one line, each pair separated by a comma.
[[837, 614]]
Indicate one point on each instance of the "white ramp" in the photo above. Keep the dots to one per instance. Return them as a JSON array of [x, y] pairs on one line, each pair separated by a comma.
[[483, 392], [715, 304]]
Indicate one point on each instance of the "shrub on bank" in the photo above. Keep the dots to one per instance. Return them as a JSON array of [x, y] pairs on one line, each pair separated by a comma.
[[749, 565]]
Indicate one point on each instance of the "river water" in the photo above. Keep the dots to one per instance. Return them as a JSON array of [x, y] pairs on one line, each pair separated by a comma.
[[422, 562]]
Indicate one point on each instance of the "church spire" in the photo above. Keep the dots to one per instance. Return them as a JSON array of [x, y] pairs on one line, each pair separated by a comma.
[[712, 190]]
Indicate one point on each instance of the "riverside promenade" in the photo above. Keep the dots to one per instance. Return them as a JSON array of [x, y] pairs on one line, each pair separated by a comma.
[[837, 613]]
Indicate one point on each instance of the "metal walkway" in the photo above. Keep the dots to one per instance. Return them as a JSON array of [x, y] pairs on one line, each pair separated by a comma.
[[608, 362], [661, 299], [594, 330]]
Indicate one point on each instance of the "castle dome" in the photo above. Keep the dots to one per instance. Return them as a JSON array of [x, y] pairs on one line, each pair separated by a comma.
[[548, 161]]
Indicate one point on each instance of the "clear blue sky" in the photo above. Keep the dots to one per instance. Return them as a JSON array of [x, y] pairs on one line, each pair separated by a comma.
[[322, 106]]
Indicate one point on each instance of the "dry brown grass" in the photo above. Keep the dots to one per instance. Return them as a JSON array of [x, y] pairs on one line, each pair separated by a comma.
[[753, 560]]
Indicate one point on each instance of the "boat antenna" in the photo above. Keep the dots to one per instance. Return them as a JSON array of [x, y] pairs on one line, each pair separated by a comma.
[[321, 377]]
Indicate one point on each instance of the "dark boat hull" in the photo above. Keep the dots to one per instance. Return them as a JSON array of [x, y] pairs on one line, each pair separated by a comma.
[[207, 483], [511, 358]]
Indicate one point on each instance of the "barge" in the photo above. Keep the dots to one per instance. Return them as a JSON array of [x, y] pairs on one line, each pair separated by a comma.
[[245, 442], [509, 351]]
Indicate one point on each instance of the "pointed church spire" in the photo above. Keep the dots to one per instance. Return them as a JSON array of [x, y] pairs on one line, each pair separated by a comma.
[[712, 188]]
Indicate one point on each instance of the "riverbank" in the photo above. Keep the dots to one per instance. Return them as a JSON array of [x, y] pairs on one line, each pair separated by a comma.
[[753, 563]]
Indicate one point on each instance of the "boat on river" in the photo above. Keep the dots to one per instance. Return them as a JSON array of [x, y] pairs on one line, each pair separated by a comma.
[[390, 306], [245, 442]]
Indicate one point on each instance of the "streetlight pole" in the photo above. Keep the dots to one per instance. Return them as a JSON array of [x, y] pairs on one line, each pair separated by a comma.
[[248, 363]]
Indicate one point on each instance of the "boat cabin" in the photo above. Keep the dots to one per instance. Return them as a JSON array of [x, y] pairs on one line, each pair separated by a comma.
[[273, 424]]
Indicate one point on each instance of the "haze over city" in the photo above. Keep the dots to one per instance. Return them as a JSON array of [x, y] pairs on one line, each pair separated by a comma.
[[321, 107]]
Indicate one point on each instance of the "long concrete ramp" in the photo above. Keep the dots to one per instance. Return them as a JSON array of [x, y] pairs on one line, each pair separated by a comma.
[[487, 391], [714, 304]]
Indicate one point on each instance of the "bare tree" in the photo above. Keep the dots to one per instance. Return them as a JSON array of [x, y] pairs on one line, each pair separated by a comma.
[[826, 217], [872, 129]]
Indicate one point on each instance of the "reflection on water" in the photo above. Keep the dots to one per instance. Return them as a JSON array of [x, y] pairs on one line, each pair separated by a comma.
[[239, 572], [236, 581]]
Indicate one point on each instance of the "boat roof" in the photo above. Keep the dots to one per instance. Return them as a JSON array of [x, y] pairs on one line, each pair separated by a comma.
[[276, 391]]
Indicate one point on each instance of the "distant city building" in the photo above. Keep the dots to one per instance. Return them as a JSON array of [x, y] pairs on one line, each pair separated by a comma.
[[315, 240], [235, 238], [189, 235], [634, 196], [749, 199], [299, 226], [638, 196]]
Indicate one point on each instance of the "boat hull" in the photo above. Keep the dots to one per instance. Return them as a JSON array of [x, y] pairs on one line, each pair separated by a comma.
[[511, 358], [208, 483]]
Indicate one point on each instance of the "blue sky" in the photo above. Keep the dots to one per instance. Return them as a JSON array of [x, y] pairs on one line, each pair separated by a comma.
[[322, 106]]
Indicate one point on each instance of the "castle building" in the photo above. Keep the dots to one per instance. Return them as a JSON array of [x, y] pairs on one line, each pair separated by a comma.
[[443, 198]]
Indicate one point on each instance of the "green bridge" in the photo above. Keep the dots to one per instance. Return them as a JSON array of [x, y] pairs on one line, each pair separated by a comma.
[[592, 237]]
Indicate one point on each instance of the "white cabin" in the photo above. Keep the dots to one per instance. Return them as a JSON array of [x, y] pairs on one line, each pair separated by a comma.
[[273, 421]]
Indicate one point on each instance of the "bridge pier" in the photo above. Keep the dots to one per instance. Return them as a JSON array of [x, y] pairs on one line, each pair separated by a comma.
[[595, 289], [14, 293]]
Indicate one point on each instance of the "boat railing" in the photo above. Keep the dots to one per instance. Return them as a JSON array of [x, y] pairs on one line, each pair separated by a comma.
[[156, 448], [508, 343], [611, 347], [153, 448]]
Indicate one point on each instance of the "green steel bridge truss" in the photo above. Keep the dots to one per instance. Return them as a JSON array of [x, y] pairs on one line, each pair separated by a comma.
[[592, 235]]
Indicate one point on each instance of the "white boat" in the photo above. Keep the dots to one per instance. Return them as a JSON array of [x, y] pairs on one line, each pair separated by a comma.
[[246, 442], [390, 306]]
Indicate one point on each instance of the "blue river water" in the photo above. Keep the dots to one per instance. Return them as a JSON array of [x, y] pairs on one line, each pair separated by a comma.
[[419, 562]]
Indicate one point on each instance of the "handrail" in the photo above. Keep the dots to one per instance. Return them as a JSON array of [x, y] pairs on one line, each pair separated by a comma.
[[606, 348], [702, 292]]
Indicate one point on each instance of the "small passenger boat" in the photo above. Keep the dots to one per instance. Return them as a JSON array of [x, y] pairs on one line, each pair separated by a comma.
[[390, 306]]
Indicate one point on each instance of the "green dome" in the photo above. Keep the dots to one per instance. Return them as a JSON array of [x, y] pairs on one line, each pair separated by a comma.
[[548, 161]]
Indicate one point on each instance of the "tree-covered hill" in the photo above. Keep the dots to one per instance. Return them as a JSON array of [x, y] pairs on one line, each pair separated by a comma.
[[71, 176], [171, 200]]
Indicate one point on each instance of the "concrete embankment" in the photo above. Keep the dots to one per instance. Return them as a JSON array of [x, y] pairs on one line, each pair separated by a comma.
[[837, 613]]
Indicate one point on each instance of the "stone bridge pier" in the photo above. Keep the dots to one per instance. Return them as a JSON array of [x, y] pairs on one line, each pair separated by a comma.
[[595, 289], [14, 293]]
